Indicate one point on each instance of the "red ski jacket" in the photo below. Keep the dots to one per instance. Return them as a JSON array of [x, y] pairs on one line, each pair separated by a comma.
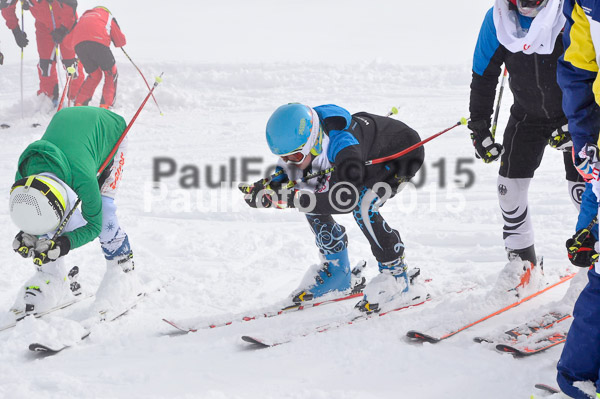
[[97, 25], [64, 13]]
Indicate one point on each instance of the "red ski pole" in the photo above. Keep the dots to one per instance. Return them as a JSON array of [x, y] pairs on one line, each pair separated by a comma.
[[463, 121], [143, 77]]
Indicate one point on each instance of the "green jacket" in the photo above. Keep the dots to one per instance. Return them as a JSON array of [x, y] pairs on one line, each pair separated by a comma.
[[76, 143]]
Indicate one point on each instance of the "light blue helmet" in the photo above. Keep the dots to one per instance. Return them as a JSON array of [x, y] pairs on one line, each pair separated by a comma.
[[290, 127]]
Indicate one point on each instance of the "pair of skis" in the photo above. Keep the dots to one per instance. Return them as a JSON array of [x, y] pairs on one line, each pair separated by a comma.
[[533, 336], [434, 336], [101, 317]]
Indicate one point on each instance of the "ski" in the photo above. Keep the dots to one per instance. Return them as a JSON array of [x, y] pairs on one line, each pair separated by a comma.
[[355, 292], [531, 347], [526, 330], [89, 324], [264, 314], [266, 343], [52, 349], [547, 388], [21, 315], [433, 337]]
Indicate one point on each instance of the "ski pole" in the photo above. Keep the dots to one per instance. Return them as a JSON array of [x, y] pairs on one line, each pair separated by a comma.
[[158, 79], [495, 123], [22, 56], [56, 54], [70, 72], [463, 121], [143, 77]]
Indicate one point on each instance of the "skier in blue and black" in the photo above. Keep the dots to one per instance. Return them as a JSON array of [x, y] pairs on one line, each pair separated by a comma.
[[525, 36], [579, 365], [313, 141]]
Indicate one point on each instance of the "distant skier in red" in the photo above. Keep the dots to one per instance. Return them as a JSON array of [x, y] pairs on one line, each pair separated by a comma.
[[91, 39], [54, 19]]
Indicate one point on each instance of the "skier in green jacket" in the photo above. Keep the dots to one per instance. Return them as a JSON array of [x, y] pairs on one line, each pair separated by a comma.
[[52, 174]]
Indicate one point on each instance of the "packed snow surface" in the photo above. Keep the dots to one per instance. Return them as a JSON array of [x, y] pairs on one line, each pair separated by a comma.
[[226, 68]]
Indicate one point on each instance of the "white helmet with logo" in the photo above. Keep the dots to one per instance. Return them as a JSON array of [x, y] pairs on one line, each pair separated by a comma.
[[37, 204]]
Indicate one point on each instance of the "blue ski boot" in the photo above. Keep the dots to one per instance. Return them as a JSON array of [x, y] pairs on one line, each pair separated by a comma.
[[333, 274]]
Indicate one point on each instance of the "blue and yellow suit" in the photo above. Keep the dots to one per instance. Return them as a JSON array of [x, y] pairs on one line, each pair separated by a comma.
[[578, 78]]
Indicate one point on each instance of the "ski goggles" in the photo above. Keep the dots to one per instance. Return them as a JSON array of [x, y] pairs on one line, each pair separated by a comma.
[[314, 146], [530, 8], [296, 157]]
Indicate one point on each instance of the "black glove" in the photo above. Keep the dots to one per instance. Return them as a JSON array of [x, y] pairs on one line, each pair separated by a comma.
[[24, 244], [1, 58], [59, 34], [20, 37], [561, 139], [483, 141], [252, 191], [258, 195], [48, 251], [581, 250]]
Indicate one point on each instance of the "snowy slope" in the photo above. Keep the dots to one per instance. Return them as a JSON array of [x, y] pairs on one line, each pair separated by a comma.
[[228, 258]]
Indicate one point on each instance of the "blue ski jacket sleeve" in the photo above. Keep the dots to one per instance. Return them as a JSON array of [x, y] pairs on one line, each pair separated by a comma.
[[578, 72], [588, 210], [336, 120]]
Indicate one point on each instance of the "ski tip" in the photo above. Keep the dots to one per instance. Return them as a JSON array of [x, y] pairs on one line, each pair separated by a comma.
[[416, 335], [508, 349], [174, 325], [547, 388], [35, 347], [255, 341]]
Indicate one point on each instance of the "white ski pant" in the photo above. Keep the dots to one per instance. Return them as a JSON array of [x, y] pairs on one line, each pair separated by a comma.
[[513, 198]]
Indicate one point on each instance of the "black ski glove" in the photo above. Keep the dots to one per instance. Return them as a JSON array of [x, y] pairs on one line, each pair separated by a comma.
[[561, 139], [24, 244], [20, 37], [47, 250], [59, 34], [257, 194], [581, 250], [483, 141]]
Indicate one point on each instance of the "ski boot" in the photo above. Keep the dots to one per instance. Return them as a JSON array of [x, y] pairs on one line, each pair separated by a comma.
[[120, 285], [333, 274], [48, 288], [393, 287], [523, 274]]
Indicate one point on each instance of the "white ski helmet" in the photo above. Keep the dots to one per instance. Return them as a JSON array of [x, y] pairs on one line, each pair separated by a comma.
[[37, 204]]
